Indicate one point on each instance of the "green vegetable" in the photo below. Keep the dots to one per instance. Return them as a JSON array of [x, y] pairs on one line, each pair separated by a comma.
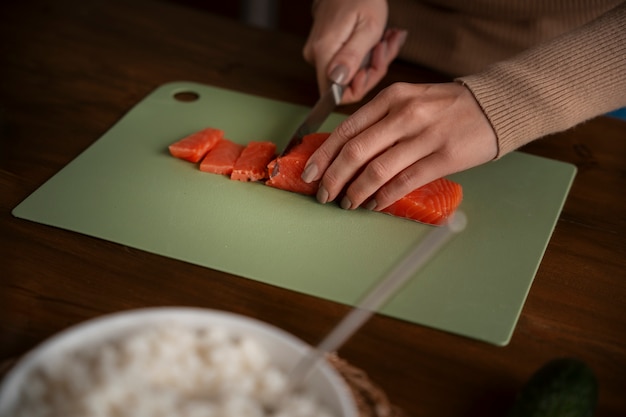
[[561, 388]]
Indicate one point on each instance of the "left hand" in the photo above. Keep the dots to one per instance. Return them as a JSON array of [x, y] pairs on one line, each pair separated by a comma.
[[407, 136]]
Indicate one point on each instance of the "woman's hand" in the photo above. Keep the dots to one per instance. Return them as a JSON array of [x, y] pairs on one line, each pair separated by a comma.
[[343, 34], [407, 136]]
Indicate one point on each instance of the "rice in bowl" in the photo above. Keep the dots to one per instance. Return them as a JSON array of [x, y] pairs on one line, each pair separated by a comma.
[[172, 367]]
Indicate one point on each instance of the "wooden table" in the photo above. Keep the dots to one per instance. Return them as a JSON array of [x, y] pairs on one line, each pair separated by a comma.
[[71, 69]]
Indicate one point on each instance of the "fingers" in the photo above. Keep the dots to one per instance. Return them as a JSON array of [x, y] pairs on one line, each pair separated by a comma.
[[407, 136], [355, 126], [359, 149], [390, 175], [381, 57], [427, 169], [349, 162]]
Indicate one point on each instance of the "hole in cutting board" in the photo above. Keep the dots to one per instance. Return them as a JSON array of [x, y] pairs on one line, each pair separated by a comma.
[[186, 96]]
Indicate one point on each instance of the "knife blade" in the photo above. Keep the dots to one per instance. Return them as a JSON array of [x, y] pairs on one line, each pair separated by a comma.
[[318, 114]]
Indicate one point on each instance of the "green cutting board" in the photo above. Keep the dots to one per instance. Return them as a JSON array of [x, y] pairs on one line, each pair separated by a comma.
[[126, 188]]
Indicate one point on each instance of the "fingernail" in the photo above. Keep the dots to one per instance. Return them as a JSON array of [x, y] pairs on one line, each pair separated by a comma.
[[339, 74], [322, 195], [345, 203], [309, 173], [371, 205]]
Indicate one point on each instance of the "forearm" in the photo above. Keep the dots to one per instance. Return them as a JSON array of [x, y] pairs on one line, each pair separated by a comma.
[[556, 85]]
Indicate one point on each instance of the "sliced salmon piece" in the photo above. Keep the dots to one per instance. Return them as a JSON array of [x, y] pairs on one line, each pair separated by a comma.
[[432, 203], [290, 166], [221, 159], [252, 163], [193, 147]]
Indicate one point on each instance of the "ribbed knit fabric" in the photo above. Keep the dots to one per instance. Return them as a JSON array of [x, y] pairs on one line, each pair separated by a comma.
[[530, 91]]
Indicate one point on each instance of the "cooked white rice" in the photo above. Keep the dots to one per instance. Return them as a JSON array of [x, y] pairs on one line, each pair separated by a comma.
[[165, 371]]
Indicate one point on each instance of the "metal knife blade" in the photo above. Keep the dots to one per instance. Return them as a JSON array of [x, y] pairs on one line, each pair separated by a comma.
[[318, 114]]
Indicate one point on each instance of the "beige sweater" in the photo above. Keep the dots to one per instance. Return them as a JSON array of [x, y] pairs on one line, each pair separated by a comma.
[[535, 66]]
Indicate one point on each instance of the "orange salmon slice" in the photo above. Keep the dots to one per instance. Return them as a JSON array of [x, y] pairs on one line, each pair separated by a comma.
[[252, 163], [195, 146], [221, 159]]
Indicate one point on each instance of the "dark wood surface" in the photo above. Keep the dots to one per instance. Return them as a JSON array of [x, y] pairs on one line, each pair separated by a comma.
[[71, 69]]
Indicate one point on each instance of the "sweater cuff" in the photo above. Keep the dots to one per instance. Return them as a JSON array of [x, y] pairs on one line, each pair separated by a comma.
[[557, 85], [511, 113]]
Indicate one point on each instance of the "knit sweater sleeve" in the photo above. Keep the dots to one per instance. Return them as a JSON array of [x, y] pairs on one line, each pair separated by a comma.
[[556, 85]]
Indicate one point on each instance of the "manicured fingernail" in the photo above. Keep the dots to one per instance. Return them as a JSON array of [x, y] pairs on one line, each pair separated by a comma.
[[345, 203], [309, 173], [371, 205], [322, 195], [339, 74]]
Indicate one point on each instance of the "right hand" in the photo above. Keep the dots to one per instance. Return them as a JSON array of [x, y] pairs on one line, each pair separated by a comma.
[[343, 33]]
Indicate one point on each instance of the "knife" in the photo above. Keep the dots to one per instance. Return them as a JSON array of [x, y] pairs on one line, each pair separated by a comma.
[[318, 114], [322, 109]]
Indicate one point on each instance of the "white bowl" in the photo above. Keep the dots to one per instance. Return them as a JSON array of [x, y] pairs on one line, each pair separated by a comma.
[[284, 349]]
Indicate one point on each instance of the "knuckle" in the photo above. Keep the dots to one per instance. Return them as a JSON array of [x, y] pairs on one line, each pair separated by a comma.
[[397, 93], [323, 153], [397, 89], [315, 48], [403, 180], [378, 171], [347, 128], [353, 151], [411, 112]]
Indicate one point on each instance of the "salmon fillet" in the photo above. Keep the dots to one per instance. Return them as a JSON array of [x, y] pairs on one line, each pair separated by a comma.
[[432, 203]]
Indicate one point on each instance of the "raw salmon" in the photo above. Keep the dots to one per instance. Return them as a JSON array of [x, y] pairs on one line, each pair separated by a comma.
[[194, 146], [221, 159], [252, 163], [290, 166], [432, 203]]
